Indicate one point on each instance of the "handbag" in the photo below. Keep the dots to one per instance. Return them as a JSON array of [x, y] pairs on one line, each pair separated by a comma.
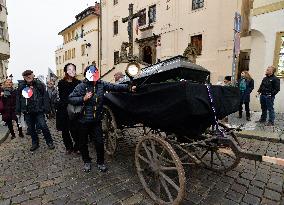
[[74, 111]]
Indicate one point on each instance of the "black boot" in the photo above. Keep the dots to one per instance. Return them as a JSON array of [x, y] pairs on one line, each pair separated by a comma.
[[34, 147], [240, 114], [13, 136], [21, 134]]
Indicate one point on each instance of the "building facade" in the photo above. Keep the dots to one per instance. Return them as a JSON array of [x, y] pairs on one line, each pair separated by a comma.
[[263, 45], [4, 41], [165, 28], [81, 42]]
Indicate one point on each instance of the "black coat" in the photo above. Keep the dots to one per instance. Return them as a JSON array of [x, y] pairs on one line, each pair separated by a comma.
[[9, 103], [64, 90], [245, 95], [38, 103], [76, 98], [270, 85]]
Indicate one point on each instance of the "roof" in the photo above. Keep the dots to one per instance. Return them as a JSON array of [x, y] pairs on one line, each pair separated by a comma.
[[92, 10]]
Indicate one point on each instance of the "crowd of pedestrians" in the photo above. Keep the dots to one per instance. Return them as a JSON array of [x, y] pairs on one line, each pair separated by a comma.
[[33, 102]]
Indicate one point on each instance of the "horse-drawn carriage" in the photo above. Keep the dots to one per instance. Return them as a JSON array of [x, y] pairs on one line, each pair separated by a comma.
[[178, 111]]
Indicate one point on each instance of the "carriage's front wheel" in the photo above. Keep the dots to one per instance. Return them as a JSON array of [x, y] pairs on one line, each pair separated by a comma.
[[109, 131], [163, 180]]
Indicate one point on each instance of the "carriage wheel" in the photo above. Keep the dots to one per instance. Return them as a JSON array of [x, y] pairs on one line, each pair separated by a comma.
[[163, 180], [217, 157], [109, 131]]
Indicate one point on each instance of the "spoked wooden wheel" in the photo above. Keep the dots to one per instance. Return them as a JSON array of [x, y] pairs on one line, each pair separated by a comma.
[[216, 156], [163, 180], [109, 131]]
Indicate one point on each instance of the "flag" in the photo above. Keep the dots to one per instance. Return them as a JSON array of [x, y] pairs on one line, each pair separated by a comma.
[[27, 92], [92, 73]]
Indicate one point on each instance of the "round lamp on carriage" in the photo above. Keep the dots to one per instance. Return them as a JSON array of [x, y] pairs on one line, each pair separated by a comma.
[[132, 69]]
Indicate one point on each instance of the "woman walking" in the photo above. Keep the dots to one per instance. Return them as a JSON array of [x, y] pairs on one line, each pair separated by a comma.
[[8, 98], [63, 123], [246, 85]]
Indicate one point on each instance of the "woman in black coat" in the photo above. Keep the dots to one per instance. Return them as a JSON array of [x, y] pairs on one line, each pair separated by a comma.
[[246, 85], [8, 97], [68, 127]]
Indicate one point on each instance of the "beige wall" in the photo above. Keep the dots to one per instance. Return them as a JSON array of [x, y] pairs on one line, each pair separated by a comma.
[[176, 25], [4, 41], [91, 29], [264, 28]]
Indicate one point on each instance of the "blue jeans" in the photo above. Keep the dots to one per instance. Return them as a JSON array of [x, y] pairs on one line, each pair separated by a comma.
[[267, 103], [38, 119]]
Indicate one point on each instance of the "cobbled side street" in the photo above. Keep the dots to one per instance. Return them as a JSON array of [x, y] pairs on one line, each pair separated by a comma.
[[52, 177]]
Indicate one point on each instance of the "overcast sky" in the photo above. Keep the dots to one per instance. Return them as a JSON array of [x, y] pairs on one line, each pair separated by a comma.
[[33, 28]]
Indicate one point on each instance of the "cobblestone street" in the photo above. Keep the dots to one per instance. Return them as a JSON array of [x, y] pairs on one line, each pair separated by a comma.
[[52, 177]]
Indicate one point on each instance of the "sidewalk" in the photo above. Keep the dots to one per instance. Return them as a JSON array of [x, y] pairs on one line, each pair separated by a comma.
[[253, 130], [4, 133]]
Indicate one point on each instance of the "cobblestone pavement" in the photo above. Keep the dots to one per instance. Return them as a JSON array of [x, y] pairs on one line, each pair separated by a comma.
[[51, 177]]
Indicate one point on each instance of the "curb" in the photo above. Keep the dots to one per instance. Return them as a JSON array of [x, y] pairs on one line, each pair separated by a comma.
[[5, 137], [279, 139]]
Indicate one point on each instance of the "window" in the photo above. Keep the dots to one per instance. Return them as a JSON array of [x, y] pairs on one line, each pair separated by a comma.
[[69, 37], [65, 38], [59, 60], [73, 34], [56, 60], [66, 55], [197, 42], [115, 27], [83, 49], [152, 14], [73, 53], [116, 57], [2, 29], [279, 54], [115, 2], [142, 18], [197, 4]]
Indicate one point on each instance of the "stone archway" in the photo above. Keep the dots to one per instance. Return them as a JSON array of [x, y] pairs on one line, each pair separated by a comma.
[[148, 49]]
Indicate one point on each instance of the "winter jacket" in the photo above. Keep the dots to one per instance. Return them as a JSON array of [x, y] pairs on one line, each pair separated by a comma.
[[65, 88], [37, 103], [270, 85], [95, 104], [9, 102], [245, 95]]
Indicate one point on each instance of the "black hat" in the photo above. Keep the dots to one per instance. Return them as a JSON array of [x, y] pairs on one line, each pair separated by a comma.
[[27, 72], [228, 78]]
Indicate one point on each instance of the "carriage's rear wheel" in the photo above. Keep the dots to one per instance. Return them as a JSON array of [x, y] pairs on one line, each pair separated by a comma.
[[109, 131], [163, 180], [217, 156]]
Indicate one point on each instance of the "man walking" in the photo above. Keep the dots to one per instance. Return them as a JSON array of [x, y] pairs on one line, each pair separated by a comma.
[[32, 101], [269, 87]]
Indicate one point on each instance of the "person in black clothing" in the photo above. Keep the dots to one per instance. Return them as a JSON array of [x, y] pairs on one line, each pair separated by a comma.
[[90, 94], [68, 127], [8, 97], [32, 101], [269, 87], [246, 85]]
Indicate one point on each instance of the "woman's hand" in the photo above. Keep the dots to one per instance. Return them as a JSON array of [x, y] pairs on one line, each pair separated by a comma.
[[2, 93], [88, 96]]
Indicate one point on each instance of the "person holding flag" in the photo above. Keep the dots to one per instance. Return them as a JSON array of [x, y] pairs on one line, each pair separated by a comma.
[[90, 94], [32, 101]]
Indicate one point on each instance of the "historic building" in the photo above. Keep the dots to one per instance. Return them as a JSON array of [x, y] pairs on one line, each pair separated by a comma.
[[81, 42], [163, 29], [263, 44], [4, 41]]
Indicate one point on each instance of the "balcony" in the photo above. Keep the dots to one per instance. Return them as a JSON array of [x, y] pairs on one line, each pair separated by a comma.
[[4, 49]]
